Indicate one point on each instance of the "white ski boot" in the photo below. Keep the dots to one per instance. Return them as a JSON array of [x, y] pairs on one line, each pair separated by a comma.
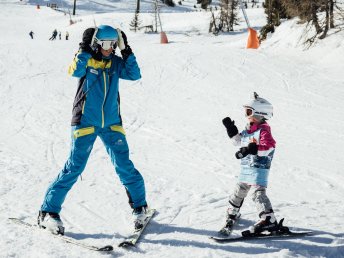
[[139, 216], [232, 215], [51, 221]]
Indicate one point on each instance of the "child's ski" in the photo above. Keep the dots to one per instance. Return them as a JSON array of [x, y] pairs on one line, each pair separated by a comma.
[[132, 239], [67, 239], [290, 234]]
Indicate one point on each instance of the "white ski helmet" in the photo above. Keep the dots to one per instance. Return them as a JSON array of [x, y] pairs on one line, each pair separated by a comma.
[[260, 107]]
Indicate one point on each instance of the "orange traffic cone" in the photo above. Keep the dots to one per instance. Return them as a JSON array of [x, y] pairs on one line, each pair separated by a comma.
[[252, 41], [163, 38]]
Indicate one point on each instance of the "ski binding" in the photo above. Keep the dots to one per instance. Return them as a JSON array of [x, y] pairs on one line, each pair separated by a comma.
[[132, 239]]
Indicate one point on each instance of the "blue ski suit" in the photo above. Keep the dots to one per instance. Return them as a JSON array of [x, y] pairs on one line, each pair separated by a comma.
[[96, 112]]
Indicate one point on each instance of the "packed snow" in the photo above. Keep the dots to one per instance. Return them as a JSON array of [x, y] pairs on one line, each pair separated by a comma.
[[173, 120]]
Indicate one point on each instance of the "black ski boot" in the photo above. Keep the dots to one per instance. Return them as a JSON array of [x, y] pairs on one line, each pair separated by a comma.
[[267, 222]]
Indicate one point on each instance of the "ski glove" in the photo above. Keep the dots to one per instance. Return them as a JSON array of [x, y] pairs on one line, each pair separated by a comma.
[[85, 45], [252, 148], [232, 130], [123, 45]]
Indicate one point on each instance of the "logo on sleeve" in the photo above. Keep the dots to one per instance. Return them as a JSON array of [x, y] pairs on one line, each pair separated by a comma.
[[94, 71]]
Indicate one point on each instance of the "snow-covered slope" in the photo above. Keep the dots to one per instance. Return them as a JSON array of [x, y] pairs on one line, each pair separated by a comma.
[[173, 121]]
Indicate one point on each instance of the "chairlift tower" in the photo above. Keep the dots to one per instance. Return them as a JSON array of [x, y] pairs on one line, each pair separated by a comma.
[[74, 7]]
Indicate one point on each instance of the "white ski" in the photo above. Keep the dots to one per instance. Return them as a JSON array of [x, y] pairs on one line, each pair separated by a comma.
[[67, 239]]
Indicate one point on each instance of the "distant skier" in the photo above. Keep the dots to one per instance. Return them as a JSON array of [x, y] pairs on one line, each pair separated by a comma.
[[53, 37], [67, 35], [31, 34], [60, 35], [96, 112], [256, 153]]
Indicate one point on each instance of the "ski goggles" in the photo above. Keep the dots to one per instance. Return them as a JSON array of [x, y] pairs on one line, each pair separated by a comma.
[[249, 112], [107, 44]]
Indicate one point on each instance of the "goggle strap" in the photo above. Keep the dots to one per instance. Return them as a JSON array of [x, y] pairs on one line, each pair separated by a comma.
[[94, 36]]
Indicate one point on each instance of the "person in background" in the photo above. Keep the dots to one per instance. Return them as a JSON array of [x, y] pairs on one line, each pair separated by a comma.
[[31, 34], [96, 113], [67, 35], [53, 36]]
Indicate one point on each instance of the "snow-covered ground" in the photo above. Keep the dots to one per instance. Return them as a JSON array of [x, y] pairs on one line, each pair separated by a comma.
[[173, 121]]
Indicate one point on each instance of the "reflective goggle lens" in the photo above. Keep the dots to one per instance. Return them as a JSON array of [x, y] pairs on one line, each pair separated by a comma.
[[107, 44], [248, 111]]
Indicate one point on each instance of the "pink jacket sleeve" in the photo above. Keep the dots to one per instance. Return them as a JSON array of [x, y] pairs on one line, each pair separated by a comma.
[[266, 142]]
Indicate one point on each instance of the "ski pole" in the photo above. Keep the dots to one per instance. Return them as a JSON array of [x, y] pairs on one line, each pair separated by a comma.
[[244, 13]]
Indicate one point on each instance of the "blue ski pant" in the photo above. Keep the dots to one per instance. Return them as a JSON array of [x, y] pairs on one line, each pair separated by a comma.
[[116, 145]]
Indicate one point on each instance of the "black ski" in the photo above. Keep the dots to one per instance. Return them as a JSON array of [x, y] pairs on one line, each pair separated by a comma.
[[132, 239], [282, 232], [67, 239], [291, 234]]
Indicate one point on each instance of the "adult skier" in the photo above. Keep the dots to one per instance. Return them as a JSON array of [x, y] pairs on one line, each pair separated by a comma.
[[256, 153], [96, 112]]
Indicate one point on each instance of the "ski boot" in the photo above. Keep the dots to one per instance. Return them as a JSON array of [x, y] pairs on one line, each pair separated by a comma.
[[232, 216], [50, 221], [139, 216], [267, 222]]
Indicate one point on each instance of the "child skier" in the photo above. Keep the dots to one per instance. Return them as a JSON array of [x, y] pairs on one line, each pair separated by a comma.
[[256, 153]]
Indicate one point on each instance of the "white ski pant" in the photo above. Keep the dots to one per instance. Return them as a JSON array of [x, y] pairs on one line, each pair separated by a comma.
[[259, 197]]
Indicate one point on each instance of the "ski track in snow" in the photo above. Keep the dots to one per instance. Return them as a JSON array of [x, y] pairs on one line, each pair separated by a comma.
[[177, 141]]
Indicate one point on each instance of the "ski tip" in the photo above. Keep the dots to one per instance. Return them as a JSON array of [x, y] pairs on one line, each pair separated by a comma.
[[218, 239], [126, 244], [107, 248], [302, 233]]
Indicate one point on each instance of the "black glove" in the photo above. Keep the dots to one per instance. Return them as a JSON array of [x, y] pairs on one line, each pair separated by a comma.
[[252, 148], [232, 130], [126, 52], [85, 45]]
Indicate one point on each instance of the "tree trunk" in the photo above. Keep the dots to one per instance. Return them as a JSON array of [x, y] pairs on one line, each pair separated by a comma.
[[331, 14], [232, 18], [315, 18], [270, 13], [327, 21]]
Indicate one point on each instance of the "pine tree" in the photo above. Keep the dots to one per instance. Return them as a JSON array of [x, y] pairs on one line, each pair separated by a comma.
[[228, 15], [136, 22], [275, 11], [308, 11]]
